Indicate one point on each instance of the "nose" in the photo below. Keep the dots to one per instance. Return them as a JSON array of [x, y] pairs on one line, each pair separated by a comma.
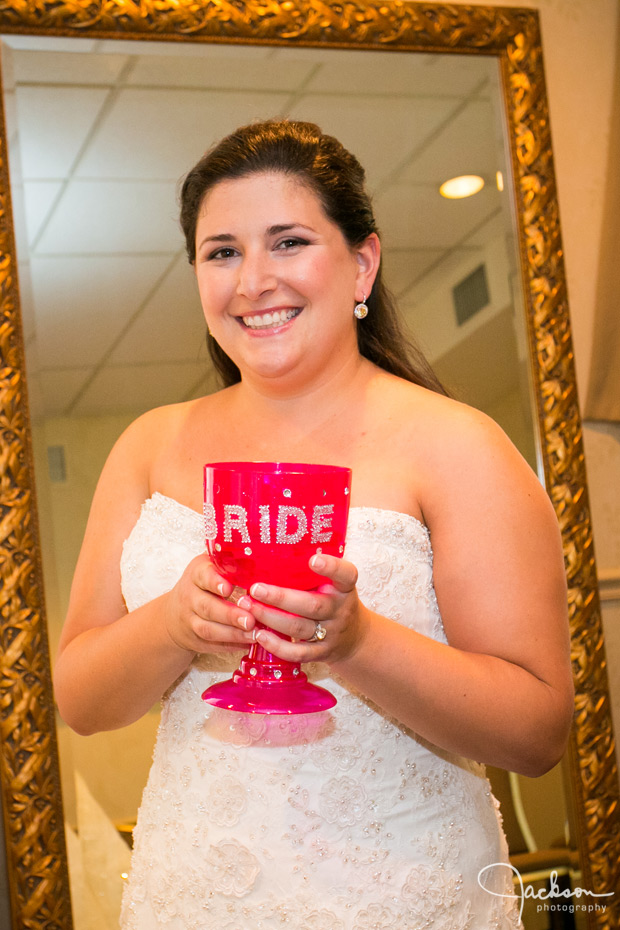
[[256, 277]]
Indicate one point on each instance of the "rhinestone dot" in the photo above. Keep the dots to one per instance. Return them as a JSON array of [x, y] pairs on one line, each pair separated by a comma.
[[346, 490], [247, 550], [218, 548], [277, 673], [253, 672], [295, 672], [287, 492]]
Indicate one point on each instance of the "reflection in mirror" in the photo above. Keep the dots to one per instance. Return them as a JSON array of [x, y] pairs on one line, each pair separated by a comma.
[[100, 134]]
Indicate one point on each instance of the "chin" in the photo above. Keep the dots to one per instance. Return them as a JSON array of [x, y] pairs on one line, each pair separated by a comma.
[[268, 363]]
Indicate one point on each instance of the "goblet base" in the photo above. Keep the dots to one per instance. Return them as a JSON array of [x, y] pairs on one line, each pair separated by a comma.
[[276, 697]]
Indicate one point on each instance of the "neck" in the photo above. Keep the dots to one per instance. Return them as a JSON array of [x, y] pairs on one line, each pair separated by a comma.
[[302, 408]]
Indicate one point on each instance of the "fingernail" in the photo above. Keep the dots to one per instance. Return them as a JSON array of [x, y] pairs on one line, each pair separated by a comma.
[[244, 602], [258, 590], [244, 622], [260, 636], [317, 561], [221, 588]]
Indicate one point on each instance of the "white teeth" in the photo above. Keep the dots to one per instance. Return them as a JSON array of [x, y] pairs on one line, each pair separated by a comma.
[[265, 320]]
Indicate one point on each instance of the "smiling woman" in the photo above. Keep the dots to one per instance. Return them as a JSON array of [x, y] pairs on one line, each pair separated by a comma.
[[418, 267], [427, 661]]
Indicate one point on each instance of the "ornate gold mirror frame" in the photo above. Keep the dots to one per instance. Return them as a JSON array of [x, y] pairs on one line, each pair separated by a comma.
[[32, 803]]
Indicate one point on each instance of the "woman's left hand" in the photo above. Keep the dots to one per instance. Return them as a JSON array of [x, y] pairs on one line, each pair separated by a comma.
[[333, 606]]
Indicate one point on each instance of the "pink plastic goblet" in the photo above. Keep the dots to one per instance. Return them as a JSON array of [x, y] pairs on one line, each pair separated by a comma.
[[263, 522]]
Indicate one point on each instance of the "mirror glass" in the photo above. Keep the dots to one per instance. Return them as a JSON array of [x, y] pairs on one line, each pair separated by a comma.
[[99, 135]]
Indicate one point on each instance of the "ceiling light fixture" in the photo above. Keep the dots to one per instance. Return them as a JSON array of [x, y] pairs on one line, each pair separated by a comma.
[[464, 186]]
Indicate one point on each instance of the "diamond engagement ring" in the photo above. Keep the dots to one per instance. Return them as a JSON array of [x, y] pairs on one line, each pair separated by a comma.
[[319, 633]]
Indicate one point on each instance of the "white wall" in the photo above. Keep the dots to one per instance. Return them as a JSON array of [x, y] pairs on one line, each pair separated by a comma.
[[63, 512]]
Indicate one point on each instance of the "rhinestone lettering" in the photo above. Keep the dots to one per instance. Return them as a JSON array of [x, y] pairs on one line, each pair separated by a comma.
[[282, 533], [322, 530], [236, 518], [210, 523], [265, 529]]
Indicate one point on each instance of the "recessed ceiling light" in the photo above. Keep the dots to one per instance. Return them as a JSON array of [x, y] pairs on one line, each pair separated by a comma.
[[463, 186]]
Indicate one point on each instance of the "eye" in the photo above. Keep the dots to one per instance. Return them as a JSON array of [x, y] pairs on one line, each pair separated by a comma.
[[223, 253], [291, 242]]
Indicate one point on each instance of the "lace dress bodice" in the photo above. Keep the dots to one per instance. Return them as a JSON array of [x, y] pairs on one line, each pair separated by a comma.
[[342, 820]]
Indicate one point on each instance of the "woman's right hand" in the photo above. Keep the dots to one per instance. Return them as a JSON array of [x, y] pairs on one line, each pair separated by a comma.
[[199, 615], [108, 674]]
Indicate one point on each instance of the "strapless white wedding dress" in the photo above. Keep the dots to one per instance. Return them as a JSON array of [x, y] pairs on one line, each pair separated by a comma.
[[343, 820]]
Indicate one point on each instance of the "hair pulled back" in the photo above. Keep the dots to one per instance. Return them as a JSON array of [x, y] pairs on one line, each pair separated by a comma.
[[320, 162]]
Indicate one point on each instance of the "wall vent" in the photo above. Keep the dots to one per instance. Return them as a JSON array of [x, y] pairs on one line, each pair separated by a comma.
[[471, 295], [56, 464]]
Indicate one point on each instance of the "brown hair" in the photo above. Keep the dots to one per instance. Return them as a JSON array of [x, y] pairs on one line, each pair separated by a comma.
[[337, 178]]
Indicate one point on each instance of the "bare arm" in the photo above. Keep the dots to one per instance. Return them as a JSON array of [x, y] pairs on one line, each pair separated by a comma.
[[501, 690], [112, 666]]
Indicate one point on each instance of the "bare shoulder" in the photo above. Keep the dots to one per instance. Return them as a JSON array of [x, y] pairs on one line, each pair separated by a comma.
[[440, 419], [463, 460], [153, 427], [126, 479], [150, 436], [475, 484], [470, 459]]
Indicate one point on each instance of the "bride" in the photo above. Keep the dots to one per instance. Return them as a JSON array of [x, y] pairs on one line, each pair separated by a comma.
[[446, 636]]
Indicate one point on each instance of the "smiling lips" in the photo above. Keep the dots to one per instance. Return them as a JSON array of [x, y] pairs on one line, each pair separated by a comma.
[[269, 320]]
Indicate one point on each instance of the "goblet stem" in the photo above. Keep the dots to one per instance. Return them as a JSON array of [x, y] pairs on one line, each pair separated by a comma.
[[266, 684], [262, 665]]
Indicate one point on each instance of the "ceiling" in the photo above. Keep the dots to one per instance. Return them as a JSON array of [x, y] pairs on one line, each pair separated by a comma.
[[102, 132]]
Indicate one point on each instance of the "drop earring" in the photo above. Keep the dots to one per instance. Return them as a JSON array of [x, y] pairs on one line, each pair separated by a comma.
[[361, 310]]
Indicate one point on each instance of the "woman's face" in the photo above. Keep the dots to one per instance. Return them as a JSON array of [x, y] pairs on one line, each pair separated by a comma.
[[277, 279]]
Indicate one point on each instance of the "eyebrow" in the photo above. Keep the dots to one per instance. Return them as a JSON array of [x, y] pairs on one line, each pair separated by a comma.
[[285, 227], [221, 237], [271, 231]]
